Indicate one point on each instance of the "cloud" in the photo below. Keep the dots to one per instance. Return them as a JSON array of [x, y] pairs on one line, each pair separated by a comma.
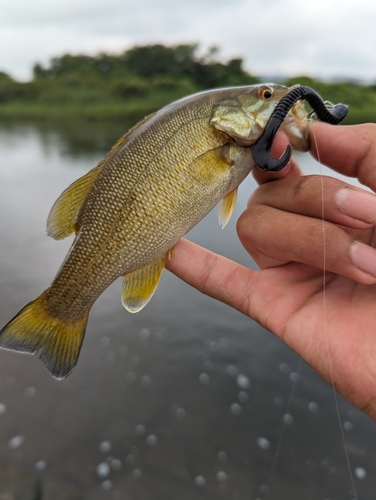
[[324, 38]]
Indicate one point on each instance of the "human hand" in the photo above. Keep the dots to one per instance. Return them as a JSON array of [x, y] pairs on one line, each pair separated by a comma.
[[333, 326]]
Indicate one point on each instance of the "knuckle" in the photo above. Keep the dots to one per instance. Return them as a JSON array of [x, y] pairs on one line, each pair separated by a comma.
[[209, 265]]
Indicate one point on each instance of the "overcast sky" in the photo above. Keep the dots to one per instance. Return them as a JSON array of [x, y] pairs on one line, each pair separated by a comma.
[[322, 38]]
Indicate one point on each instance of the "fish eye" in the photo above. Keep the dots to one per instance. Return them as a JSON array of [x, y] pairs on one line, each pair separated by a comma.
[[265, 93]]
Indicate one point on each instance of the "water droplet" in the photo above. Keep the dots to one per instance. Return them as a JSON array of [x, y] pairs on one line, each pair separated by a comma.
[[130, 378], [116, 464], [130, 459], [232, 370], [236, 409], [123, 350], [221, 476], [134, 361], [348, 426], [144, 334], [105, 447], [16, 442], [106, 485], [181, 413], [313, 407], [288, 419], [136, 474], [103, 470], [243, 397], [158, 336], [2, 408], [104, 342], [279, 402], [200, 481], [208, 365], [222, 456], [284, 368], [145, 381], [294, 377], [204, 378], [360, 473], [152, 440], [140, 430], [213, 346], [41, 465], [243, 381], [30, 392], [110, 357], [263, 443], [224, 342], [264, 489]]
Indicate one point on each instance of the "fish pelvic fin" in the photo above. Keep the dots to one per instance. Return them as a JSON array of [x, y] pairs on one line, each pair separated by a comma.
[[227, 207], [139, 286], [34, 330], [63, 218]]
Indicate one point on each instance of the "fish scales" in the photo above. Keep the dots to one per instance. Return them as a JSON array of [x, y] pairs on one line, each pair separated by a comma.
[[126, 199], [154, 186]]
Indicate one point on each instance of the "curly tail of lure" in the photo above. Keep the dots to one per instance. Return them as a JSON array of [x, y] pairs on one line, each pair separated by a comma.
[[261, 149]]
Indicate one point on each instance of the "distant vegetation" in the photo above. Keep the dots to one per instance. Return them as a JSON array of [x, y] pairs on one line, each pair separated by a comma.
[[141, 80]]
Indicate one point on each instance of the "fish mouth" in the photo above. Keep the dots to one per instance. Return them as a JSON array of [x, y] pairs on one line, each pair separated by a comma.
[[298, 135], [295, 126]]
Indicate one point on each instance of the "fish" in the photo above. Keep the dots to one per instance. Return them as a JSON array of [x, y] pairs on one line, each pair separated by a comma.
[[157, 182]]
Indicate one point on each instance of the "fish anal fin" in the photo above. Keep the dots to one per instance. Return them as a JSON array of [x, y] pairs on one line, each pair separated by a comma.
[[139, 286], [63, 217], [227, 207], [34, 330]]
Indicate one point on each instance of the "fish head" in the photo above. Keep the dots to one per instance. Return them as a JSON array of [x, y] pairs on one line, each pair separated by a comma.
[[244, 116]]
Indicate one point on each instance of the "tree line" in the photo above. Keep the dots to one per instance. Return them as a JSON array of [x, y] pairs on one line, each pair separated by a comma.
[[143, 79]]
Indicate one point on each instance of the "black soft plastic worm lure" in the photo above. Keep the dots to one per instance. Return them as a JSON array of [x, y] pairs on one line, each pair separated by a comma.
[[261, 149]]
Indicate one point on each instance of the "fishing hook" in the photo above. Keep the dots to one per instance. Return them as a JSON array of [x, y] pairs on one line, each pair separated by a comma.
[[261, 149]]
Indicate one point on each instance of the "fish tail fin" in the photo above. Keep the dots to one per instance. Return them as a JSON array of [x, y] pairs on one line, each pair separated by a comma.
[[34, 330]]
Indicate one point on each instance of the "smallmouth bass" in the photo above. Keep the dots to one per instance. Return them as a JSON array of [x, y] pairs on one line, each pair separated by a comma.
[[155, 184]]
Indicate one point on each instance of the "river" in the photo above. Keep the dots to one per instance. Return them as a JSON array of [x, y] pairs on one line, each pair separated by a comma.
[[186, 400]]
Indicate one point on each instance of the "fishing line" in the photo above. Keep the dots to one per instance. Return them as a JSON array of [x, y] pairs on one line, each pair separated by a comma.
[[278, 450], [325, 323]]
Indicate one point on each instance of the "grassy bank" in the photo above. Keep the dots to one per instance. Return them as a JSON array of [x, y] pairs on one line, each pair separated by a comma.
[[142, 80]]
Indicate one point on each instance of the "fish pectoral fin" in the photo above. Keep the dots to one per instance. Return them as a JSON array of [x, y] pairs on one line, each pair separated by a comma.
[[139, 286], [63, 217], [227, 207]]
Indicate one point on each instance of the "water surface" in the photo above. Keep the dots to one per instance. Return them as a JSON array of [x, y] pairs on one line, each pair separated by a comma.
[[188, 399]]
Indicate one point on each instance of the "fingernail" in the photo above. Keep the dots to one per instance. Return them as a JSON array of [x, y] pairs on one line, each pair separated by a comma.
[[358, 204], [364, 258]]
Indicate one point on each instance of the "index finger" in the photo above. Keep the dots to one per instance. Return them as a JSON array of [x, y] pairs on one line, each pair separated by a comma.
[[349, 150], [292, 169]]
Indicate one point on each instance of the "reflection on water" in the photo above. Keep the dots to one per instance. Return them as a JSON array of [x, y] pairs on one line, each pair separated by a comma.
[[186, 400]]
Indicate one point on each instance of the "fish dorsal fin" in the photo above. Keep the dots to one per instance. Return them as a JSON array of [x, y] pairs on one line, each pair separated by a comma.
[[130, 131], [62, 220], [139, 286], [63, 217], [227, 207]]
